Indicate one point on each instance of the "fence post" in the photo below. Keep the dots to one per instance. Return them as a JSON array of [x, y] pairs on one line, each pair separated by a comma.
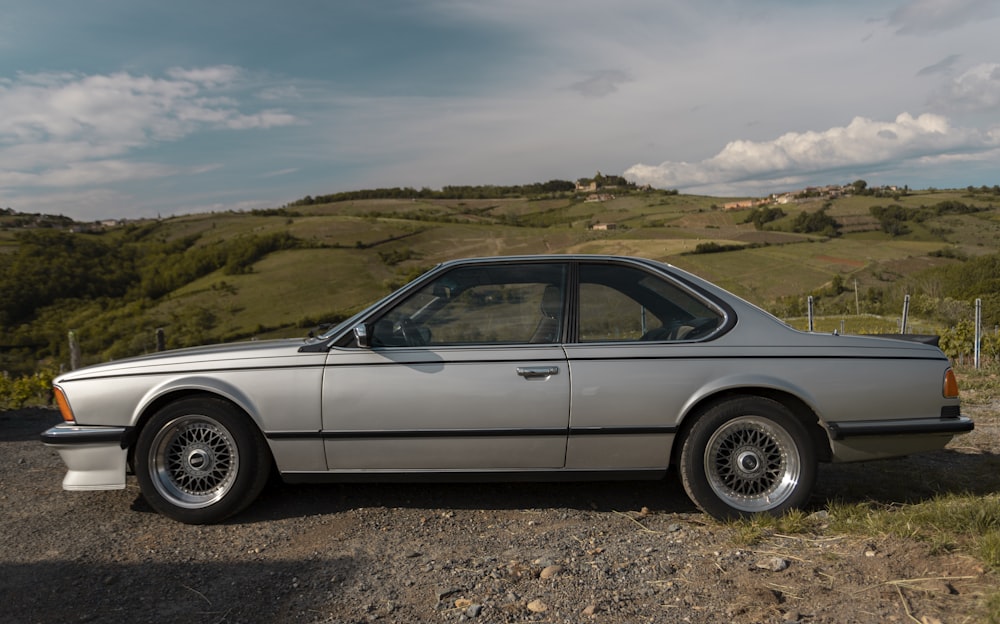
[[161, 341], [74, 351], [810, 305], [906, 313], [979, 332]]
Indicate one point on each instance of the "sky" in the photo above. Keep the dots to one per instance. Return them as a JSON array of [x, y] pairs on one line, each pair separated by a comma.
[[135, 108]]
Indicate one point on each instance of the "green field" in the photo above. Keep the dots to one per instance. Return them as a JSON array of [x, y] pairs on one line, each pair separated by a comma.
[[349, 253]]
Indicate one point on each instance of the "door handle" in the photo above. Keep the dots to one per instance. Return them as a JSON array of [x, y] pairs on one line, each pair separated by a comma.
[[534, 372]]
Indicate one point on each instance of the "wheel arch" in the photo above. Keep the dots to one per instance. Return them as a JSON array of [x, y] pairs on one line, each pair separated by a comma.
[[799, 408], [169, 395]]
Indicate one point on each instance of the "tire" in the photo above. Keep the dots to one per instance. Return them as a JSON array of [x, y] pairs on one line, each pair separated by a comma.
[[201, 460], [746, 456]]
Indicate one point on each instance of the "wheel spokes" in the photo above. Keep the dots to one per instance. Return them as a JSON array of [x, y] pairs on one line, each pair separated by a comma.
[[751, 463]]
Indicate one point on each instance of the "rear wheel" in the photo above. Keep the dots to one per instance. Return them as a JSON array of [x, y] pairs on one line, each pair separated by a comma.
[[748, 455], [200, 460]]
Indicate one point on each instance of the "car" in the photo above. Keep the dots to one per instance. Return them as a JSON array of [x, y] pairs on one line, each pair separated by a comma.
[[550, 367]]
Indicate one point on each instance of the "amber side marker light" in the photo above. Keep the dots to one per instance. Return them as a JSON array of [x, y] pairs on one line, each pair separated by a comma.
[[950, 385], [63, 404]]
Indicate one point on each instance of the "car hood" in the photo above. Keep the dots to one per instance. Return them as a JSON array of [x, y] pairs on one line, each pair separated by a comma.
[[213, 357]]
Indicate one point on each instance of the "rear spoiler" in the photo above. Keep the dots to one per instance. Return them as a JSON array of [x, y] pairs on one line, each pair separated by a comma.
[[931, 339]]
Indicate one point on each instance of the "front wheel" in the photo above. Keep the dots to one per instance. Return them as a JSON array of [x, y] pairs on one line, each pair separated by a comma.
[[200, 460], [745, 456]]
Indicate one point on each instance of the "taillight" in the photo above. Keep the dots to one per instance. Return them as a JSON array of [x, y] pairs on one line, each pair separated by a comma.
[[950, 385], [64, 408]]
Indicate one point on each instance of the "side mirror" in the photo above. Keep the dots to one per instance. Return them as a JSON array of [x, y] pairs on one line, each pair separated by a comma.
[[361, 335]]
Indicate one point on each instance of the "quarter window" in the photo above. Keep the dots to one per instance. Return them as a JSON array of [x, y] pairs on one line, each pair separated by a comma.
[[619, 303]]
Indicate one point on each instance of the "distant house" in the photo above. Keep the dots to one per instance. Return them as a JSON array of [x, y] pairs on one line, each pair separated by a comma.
[[605, 226], [738, 205], [603, 197]]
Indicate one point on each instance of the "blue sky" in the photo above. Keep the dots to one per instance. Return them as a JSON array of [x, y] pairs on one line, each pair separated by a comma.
[[133, 108]]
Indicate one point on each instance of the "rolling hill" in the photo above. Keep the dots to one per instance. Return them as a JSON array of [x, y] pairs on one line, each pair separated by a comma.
[[235, 276]]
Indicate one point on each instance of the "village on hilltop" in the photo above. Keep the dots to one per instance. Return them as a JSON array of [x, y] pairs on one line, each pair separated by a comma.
[[600, 188]]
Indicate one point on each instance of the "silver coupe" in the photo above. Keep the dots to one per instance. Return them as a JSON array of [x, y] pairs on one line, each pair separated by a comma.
[[514, 368]]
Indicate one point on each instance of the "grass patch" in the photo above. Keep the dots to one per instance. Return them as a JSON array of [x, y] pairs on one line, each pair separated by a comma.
[[949, 523], [979, 387], [751, 531]]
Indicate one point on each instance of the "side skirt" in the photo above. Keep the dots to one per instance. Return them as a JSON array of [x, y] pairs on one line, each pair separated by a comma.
[[498, 476]]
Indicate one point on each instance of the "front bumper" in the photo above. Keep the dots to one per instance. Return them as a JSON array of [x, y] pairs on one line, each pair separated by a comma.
[[96, 457]]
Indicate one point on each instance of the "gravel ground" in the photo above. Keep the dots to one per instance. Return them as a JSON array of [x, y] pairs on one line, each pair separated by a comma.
[[605, 552]]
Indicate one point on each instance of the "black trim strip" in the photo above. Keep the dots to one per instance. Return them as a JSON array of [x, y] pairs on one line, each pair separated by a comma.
[[413, 433], [574, 358], [844, 430], [73, 435], [466, 433]]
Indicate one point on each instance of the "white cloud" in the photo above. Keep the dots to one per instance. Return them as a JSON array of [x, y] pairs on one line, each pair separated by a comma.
[[287, 92], [976, 90], [60, 129], [263, 119], [208, 76], [862, 144]]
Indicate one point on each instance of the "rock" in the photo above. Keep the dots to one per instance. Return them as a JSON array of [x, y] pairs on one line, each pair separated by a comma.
[[589, 610], [773, 564], [537, 606], [463, 603], [550, 571], [441, 595], [474, 610]]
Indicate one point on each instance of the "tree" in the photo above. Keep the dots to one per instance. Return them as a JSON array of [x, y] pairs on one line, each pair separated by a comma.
[[816, 222]]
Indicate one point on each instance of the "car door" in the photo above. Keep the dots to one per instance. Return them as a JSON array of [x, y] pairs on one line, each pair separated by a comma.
[[465, 373], [635, 359]]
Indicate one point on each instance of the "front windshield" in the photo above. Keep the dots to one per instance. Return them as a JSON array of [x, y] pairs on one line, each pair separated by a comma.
[[341, 326]]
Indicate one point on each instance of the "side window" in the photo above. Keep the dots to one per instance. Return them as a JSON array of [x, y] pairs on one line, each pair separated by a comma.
[[607, 314], [619, 303], [505, 304]]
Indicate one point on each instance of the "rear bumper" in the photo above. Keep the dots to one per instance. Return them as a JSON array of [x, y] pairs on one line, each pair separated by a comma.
[[95, 457], [881, 439], [913, 426]]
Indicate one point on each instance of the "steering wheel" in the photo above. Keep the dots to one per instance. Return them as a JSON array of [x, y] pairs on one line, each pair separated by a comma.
[[411, 333]]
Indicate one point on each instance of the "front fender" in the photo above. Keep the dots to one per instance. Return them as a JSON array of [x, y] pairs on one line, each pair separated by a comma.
[[160, 393]]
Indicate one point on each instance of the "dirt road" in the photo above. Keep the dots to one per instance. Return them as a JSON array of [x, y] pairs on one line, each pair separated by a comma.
[[606, 552]]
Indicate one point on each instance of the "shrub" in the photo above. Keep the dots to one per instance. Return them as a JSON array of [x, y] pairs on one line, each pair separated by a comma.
[[16, 393]]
